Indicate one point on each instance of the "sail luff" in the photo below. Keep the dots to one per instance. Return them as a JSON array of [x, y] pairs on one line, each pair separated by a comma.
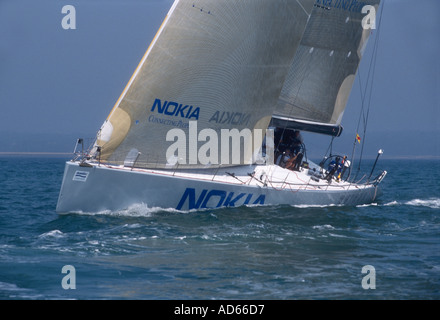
[[141, 63]]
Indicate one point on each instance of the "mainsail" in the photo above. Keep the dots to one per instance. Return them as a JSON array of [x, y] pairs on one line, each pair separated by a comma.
[[214, 64], [318, 85]]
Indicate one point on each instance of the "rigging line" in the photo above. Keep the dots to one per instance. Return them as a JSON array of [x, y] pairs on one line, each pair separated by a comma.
[[364, 94], [361, 116], [368, 92], [376, 49], [330, 147], [370, 87]]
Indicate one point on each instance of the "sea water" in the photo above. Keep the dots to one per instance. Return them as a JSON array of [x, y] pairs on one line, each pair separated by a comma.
[[389, 249]]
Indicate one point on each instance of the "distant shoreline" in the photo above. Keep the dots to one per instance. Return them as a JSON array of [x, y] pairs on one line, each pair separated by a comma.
[[58, 154], [411, 158], [70, 154]]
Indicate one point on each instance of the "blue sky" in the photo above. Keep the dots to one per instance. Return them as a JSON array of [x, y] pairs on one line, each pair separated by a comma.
[[56, 84]]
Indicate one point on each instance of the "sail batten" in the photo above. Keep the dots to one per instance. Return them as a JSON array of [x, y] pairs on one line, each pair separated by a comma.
[[323, 71], [218, 62]]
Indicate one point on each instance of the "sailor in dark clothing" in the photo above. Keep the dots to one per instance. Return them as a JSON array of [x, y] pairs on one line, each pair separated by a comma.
[[297, 150], [334, 166]]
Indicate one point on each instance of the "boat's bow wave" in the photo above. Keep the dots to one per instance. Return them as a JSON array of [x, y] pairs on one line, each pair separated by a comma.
[[135, 210]]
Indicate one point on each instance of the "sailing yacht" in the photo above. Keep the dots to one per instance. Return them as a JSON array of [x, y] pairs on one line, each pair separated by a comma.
[[194, 127]]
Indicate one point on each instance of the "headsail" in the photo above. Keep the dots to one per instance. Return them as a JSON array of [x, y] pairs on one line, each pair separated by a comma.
[[218, 62], [317, 88]]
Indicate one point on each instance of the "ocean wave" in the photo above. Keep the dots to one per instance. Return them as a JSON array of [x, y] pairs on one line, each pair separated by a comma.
[[12, 291], [136, 210], [337, 235], [392, 203], [324, 227], [9, 287], [304, 206], [53, 233], [373, 204], [433, 203]]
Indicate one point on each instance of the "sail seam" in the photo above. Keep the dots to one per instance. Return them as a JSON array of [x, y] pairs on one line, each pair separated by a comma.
[[299, 3]]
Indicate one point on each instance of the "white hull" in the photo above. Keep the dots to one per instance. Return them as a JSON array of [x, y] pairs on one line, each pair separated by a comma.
[[94, 188]]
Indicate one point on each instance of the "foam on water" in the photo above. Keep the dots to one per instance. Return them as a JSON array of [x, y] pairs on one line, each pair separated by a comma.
[[305, 206], [392, 203], [53, 233], [433, 203], [324, 227], [373, 204], [136, 210]]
